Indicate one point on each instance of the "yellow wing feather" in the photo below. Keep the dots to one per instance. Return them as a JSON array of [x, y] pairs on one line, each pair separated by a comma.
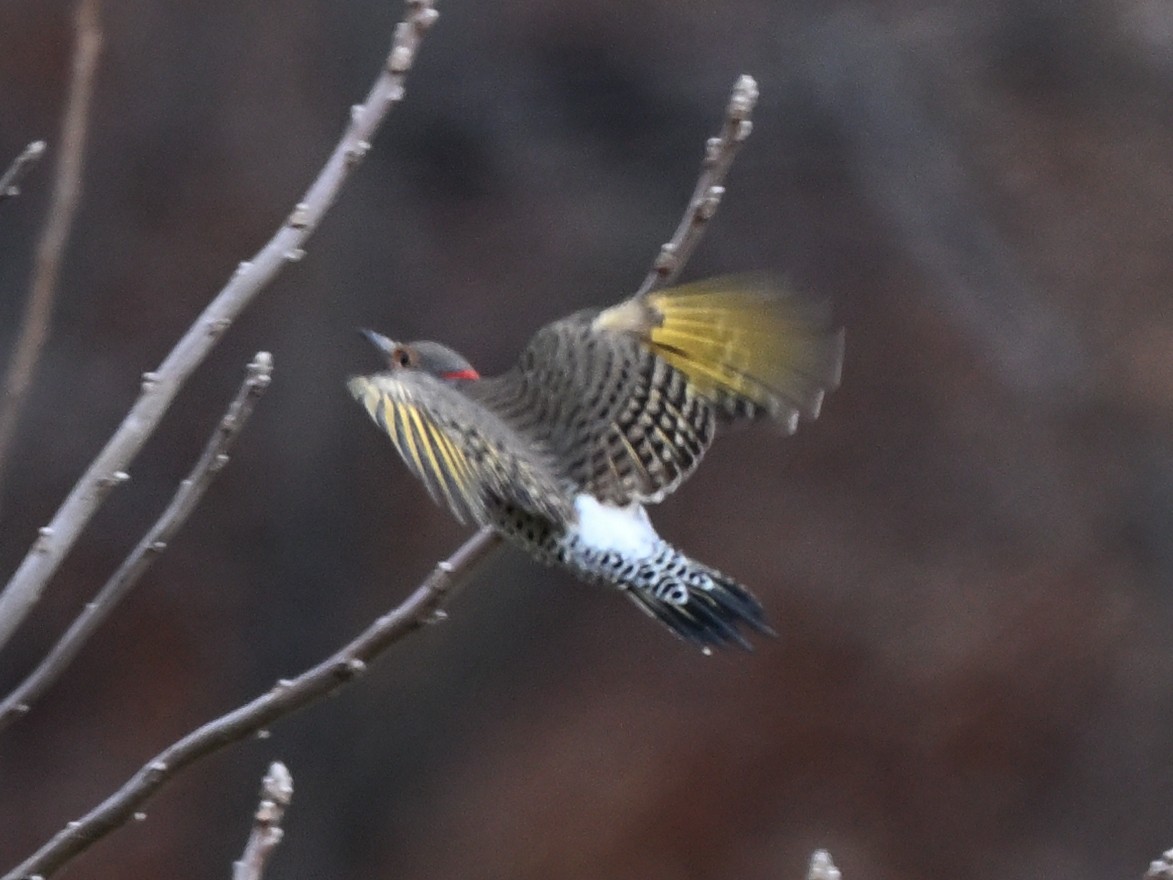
[[466, 457], [746, 344]]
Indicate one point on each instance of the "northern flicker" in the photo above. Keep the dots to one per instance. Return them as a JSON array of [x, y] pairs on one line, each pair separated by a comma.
[[607, 411]]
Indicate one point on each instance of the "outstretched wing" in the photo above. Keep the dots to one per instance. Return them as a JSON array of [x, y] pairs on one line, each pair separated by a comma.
[[752, 348], [628, 398], [466, 456]]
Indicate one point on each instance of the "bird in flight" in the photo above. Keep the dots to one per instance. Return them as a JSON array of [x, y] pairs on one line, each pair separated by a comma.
[[605, 412]]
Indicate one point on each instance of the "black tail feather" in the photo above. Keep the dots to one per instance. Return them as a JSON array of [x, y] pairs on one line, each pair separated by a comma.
[[700, 605]]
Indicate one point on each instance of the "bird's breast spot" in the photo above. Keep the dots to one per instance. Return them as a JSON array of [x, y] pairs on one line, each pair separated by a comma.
[[609, 529]]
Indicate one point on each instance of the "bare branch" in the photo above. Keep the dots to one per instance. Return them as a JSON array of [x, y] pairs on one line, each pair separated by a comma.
[[187, 497], [276, 793], [67, 184], [822, 868], [160, 387], [10, 179], [719, 154], [288, 696], [285, 698]]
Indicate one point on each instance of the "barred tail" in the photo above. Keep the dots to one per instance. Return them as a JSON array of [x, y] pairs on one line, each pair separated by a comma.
[[698, 603], [617, 545]]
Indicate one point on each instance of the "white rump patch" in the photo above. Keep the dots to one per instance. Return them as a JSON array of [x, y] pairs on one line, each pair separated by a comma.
[[623, 530]]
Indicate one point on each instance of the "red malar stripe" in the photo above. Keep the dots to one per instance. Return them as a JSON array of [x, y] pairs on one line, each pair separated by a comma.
[[462, 374]]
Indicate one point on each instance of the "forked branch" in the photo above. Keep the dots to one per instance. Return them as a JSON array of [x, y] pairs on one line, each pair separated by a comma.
[[185, 500], [422, 606], [283, 699], [160, 387]]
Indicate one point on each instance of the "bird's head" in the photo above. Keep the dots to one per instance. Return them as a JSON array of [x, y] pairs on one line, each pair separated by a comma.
[[424, 356]]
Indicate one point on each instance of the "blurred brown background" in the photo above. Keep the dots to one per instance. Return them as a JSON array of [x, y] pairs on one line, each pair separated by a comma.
[[968, 557]]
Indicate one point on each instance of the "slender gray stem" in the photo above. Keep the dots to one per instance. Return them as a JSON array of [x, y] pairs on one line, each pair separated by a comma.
[[187, 497], [10, 179], [719, 154], [276, 793], [160, 387], [283, 699], [50, 252]]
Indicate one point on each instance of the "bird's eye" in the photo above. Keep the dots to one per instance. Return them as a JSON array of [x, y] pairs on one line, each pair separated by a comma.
[[401, 357]]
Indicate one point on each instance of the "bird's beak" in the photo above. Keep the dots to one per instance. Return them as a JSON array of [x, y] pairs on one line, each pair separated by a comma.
[[378, 340]]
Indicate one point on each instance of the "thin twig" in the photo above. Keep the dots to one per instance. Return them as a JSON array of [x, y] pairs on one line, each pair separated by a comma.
[[422, 606], [160, 387], [285, 698], [67, 185], [276, 793], [10, 179], [719, 154], [187, 497]]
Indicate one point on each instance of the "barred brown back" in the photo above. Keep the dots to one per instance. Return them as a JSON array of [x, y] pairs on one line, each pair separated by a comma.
[[623, 423]]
